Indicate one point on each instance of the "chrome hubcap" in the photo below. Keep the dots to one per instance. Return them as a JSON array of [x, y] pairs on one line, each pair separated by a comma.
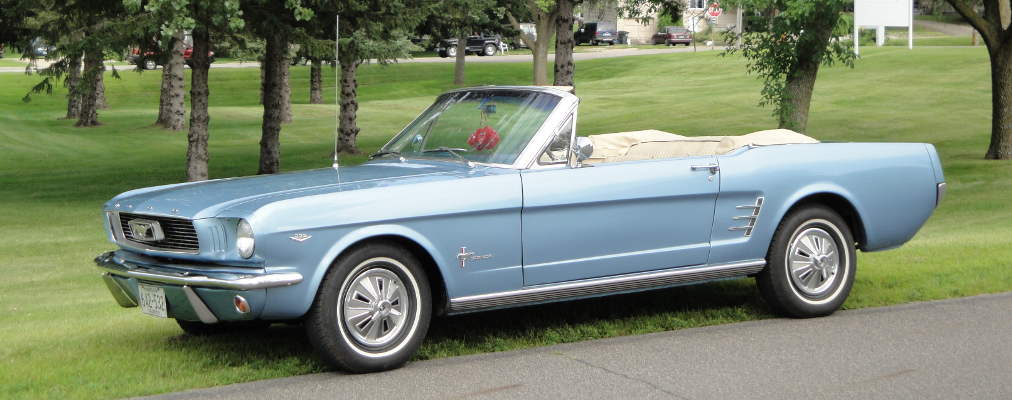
[[813, 260], [375, 307]]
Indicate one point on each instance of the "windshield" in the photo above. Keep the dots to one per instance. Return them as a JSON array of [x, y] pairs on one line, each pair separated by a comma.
[[486, 126]]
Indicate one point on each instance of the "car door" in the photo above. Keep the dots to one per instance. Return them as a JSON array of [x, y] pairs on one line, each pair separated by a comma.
[[616, 218]]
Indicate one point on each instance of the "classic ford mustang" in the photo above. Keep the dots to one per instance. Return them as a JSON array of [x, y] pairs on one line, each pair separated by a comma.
[[489, 199]]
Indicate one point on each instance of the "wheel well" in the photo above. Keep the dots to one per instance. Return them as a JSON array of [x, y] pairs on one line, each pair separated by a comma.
[[440, 300], [843, 207]]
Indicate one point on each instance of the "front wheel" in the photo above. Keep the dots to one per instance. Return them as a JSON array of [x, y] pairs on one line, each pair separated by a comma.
[[810, 265], [372, 310], [490, 49]]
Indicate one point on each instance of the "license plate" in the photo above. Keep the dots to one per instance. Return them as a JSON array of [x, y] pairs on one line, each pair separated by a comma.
[[152, 300]]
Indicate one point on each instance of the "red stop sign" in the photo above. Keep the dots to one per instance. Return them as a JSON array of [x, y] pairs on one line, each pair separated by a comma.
[[714, 10]]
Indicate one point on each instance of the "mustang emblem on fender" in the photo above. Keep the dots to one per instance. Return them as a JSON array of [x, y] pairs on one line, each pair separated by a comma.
[[465, 255]]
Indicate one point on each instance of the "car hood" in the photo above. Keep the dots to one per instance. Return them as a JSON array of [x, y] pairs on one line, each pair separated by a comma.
[[209, 198]]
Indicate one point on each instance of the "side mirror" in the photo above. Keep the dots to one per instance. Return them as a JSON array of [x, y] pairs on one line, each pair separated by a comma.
[[583, 148]]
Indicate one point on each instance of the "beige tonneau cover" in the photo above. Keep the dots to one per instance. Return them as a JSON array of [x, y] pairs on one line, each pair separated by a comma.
[[652, 144]]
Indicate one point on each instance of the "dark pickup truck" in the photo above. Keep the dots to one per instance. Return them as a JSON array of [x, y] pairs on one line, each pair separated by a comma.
[[483, 45]]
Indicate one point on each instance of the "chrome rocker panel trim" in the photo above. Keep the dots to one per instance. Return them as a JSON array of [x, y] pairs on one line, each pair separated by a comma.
[[608, 285], [109, 263]]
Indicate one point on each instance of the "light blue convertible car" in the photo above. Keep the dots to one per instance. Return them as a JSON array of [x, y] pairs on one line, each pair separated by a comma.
[[489, 199]]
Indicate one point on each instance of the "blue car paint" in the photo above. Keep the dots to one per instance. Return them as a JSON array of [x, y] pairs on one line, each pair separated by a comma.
[[890, 185], [616, 218]]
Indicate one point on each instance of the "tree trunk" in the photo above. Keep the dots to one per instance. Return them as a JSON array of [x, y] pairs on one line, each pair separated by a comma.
[[275, 67], [286, 92], [348, 129], [800, 81], [93, 68], [100, 102], [73, 87], [797, 97], [564, 43], [196, 151], [1001, 102], [458, 65], [171, 112], [544, 26], [316, 82]]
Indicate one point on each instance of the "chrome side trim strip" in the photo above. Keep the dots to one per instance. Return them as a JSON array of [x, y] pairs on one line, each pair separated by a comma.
[[108, 263], [615, 284], [203, 312], [119, 293]]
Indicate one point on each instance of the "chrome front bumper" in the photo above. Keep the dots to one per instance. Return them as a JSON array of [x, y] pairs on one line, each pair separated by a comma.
[[117, 265], [192, 295]]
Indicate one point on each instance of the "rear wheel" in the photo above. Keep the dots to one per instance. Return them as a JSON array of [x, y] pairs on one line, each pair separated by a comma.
[[372, 310], [810, 264]]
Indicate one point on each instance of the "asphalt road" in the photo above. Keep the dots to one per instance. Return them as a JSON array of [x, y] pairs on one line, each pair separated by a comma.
[[935, 350]]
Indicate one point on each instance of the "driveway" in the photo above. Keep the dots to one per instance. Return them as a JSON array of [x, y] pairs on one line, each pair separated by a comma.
[[591, 55], [934, 350]]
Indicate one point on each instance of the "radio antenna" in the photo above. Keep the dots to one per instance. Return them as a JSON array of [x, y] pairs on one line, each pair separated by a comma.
[[337, 89]]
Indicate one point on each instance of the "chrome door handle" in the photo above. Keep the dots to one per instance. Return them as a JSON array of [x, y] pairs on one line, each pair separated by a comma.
[[714, 168]]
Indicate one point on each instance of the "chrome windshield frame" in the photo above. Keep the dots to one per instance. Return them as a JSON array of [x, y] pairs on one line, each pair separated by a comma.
[[567, 104]]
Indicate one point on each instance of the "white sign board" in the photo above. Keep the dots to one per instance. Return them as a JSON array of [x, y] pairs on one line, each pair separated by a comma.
[[882, 12]]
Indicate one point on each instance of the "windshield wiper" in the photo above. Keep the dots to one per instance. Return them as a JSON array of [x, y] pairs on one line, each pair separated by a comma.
[[382, 153], [452, 151]]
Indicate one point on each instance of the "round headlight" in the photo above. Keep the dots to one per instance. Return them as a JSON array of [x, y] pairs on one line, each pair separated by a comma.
[[244, 239]]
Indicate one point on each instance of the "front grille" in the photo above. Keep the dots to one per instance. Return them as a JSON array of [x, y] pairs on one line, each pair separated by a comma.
[[179, 233]]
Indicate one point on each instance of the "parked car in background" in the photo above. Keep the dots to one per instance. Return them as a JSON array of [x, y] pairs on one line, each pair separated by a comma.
[[152, 57], [39, 48], [589, 33], [489, 199], [672, 35], [482, 45]]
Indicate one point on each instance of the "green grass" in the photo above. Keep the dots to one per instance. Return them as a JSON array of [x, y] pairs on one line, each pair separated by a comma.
[[63, 336]]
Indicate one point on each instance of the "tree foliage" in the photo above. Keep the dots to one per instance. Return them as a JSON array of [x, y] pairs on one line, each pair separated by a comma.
[[798, 36]]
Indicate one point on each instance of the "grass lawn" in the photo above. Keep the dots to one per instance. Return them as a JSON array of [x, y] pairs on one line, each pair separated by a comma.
[[11, 62], [64, 337]]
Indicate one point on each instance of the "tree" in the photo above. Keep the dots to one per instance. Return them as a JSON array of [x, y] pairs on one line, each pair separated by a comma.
[[800, 36], [543, 13], [201, 17], [992, 22], [171, 112], [275, 23], [458, 19], [564, 42], [369, 29]]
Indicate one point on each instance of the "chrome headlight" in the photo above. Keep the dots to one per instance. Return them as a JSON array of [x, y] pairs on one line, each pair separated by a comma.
[[244, 239]]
